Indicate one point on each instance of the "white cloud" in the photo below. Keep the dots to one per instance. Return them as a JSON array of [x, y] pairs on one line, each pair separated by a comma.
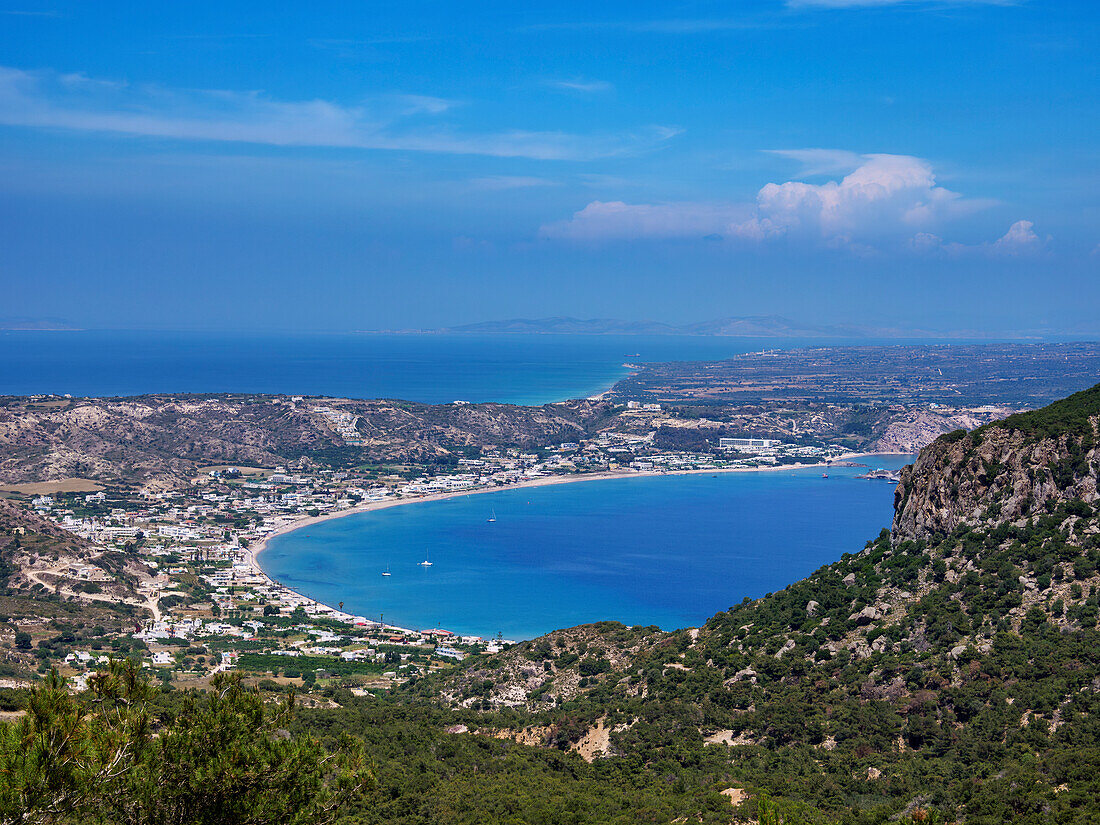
[[74, 102], [884, 199], [585, 86], [884, 195], [1019, 241], [925, 242]]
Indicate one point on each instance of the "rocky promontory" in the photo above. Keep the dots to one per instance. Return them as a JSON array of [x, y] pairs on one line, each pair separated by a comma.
[[1002, 472]]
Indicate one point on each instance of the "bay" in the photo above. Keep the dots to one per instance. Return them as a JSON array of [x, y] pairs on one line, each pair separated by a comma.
[[667, 550]]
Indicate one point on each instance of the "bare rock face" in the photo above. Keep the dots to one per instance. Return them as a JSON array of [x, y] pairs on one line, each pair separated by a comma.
[[1027, 464], [916, 429]]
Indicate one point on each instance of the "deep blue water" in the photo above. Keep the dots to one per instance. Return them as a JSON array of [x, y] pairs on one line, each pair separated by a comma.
[[664, 550], [520, 369]]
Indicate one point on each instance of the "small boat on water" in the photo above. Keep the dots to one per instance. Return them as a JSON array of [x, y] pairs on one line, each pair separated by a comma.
[[425, 563], [824, 475], [492, 516], [386, 572]]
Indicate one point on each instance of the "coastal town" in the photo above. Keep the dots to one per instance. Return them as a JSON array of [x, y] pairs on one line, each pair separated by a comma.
[[186, 560]]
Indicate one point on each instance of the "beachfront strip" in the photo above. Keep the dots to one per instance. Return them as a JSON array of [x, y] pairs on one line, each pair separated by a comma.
[[191, 556]]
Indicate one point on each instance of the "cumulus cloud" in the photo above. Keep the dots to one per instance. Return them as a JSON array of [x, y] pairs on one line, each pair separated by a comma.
[[395, 122], [885, 198], [884, 195], [1020, 240]]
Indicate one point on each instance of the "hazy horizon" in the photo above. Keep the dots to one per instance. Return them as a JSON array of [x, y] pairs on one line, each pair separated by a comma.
[[840, 332]]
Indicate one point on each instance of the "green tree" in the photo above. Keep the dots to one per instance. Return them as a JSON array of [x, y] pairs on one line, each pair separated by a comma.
[[61, 757], [218, 757]]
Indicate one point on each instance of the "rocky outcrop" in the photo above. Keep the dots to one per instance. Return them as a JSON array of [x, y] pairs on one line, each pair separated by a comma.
[[916, 429], [1013, 469]]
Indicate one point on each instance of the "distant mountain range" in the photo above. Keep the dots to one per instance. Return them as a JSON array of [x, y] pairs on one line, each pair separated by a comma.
[[750, 326], [40, 324]]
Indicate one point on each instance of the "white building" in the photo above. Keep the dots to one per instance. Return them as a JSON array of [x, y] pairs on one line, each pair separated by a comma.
[[748, 444]]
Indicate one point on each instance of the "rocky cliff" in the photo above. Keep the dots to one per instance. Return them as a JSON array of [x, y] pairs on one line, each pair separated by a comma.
[[1002, 472]]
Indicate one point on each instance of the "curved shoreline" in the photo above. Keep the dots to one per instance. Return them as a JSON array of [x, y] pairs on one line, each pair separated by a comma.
[[252, 553]]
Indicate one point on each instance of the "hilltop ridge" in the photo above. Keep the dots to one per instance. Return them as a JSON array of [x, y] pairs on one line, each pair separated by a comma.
[[162, 440]]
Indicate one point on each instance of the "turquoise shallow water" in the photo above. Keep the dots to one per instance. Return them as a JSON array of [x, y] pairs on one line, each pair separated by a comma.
[[664, 550]]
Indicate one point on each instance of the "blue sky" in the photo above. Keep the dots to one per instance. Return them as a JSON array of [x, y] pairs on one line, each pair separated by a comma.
[[352, 166]]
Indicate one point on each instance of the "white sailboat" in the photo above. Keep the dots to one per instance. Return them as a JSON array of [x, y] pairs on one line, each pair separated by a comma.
[[386, 572], [425, 563], [492, 515]]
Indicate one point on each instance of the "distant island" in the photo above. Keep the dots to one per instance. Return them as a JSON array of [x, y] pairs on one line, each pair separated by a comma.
[[35, 325], [749, 326], [1012, 374]]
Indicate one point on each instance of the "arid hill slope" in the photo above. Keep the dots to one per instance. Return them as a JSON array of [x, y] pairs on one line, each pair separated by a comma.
[[164, 438]]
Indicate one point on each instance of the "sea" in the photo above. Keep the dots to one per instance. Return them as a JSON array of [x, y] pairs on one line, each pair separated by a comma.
[[667, 550], [432, 368]]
